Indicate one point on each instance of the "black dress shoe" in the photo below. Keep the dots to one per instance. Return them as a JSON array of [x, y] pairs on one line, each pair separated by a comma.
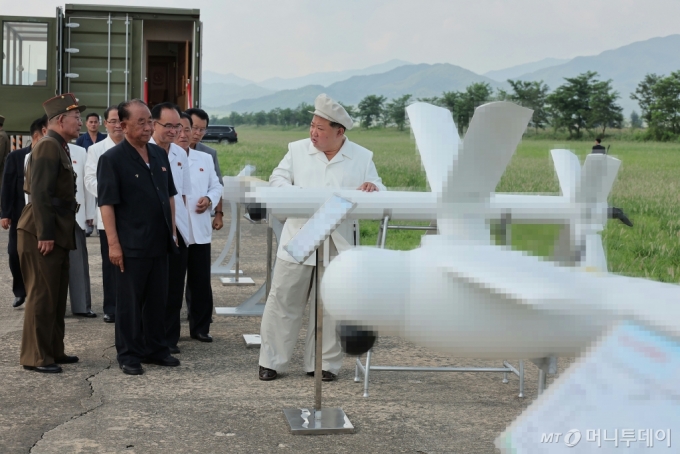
[[266, 374], [168, 361], [202, 337], [325, 375], [132, 369], [109, 318], [67, 360], [174, 349], [88, 314], [50, 369], [18, 301]]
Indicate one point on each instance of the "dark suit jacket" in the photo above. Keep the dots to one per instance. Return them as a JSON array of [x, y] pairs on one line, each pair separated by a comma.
[[50, 181], [140, 196], [598, 149], [12, 193]]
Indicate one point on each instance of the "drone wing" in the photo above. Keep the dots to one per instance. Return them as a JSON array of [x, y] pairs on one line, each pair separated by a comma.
[[436, 139], [520, 278]]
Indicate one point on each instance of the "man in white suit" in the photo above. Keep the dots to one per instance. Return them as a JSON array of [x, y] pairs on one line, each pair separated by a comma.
[[79, 268], [205, 192], [112, 125], [165, 131], [327, 159]]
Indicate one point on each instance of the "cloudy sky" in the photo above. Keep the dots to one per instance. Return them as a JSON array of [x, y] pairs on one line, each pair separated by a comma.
[[259, 39]]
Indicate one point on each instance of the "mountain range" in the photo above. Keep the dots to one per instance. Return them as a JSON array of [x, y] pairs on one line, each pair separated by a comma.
[[626, 66]]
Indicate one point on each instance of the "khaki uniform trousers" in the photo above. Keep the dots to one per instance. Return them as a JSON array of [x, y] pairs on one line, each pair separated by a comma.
[[46, 279], [292, 285]]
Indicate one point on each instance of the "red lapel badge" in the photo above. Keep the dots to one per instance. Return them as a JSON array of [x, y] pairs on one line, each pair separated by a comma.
[[75, 162], [163, 168], [201, 169], [179, 164]]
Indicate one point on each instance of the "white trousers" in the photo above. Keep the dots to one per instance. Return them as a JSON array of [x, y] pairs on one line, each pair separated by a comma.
[[291, 287]]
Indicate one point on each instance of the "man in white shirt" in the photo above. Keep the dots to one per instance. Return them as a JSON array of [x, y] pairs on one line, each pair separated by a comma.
[[165, 130], [112, 125], [205, 192], [79, 268], [326, 159]]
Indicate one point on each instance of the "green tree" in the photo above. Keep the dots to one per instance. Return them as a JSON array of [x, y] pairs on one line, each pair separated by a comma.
[[371, 110], [287, 117], [434, 100], [235, 118], [604, 110], [659, 100], [396, 111], [303, 115], [533, 96], [635, 120], [260, 118], [644, 96], [474, 96], [274, 116], [570, 103], [351, 110]]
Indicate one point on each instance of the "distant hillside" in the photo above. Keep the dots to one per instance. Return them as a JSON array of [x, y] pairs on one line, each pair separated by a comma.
[[211, 77], [502, 75], [328, 78], [626, 66], [418, 80], [221, 94]]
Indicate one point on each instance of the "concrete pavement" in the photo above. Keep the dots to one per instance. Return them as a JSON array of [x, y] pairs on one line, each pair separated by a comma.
[[214, 402]]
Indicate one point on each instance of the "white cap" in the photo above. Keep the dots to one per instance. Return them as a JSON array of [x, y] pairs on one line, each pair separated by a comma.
[[327, 108]]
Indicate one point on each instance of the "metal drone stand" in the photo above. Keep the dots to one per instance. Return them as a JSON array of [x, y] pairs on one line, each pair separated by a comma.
[[237, 279], [507, 367], [319, 420]]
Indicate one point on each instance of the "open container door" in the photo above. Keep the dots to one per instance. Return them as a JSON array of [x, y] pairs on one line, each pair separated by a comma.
[[98, 58], [197, 65], [28, 69]]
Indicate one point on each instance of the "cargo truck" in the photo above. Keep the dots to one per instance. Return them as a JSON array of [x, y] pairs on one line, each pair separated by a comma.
[[103, 54]]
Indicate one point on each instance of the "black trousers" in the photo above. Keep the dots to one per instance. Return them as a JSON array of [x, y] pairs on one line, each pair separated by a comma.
[[177, 270], [18, 287], [198, 285], [108, 275], [141, 293]]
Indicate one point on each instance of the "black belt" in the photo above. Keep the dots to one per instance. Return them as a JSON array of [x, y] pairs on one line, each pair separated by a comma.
[[71, 206]]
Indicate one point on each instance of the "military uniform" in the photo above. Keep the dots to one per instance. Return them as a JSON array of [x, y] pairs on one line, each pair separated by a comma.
[[49, 216]]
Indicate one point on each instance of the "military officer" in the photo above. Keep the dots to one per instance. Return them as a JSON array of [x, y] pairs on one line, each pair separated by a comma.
[[327, 159], [46, 234]]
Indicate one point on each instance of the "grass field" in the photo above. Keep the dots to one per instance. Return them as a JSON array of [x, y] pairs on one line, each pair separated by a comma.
[[647, 188]]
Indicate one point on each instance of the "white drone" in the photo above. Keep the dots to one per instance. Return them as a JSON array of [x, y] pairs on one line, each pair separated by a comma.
[[461, 294]]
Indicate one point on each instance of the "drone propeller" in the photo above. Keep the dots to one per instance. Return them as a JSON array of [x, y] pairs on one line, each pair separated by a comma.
[[580, 242]]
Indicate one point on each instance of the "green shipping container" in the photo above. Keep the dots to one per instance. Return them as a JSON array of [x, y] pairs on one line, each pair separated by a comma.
[[103, 54]]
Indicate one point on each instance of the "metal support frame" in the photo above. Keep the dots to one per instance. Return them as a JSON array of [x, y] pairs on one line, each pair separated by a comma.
[[237, 279], [545, 366], [367, 368], [319, 421], [254, 306]]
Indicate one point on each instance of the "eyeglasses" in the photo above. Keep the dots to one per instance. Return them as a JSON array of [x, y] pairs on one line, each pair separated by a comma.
[[170, 126], [113, 122], [200, 130]]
